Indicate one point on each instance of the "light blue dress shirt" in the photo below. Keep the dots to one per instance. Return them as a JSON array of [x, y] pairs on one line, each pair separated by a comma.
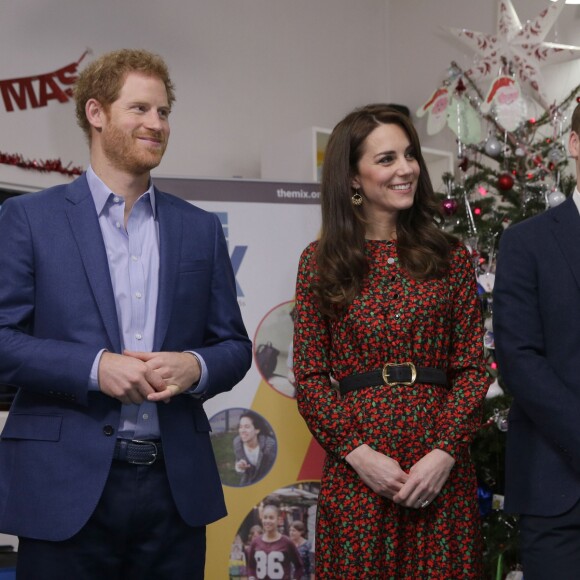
[[133, 256]]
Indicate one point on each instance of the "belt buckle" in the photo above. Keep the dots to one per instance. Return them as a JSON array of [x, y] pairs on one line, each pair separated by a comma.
[[407, 383], [155, 452]]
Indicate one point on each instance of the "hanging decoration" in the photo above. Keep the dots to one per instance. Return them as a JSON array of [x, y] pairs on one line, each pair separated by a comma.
[[522, 46], [505, 99], [49, 165], [38, 90], [436, 110]]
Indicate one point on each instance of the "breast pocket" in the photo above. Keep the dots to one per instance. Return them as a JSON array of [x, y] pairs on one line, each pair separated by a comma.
[[192, 266]]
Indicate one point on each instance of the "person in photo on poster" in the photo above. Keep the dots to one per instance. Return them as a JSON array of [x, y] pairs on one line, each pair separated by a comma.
[[272, 555], [297, 533], [118, 319], [536, 296], [387, 305], [255, 448]]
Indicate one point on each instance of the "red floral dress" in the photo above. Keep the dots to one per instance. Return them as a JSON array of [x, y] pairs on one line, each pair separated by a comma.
[[434, 323]]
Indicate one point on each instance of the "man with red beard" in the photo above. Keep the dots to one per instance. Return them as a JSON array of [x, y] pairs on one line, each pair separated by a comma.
[[118, 319]]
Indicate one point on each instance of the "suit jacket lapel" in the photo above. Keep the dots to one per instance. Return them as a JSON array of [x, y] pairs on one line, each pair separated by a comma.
[[170, 227], [566, 228], [85, 227]]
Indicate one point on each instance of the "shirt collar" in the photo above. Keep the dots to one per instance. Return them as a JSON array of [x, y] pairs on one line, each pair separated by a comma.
[[101, 193], [576, 198]]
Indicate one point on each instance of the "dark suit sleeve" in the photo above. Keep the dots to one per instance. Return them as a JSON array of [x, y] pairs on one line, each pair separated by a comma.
[[522, 322], [27, 360]]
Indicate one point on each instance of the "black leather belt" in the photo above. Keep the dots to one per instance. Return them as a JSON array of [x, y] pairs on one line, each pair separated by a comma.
[[138, 452], [394, 374]]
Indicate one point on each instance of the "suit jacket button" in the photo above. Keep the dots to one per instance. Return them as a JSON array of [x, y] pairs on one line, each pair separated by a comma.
[[108, 430]]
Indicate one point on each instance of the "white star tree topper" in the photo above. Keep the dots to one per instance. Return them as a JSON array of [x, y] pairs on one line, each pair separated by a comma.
[[522, 47]]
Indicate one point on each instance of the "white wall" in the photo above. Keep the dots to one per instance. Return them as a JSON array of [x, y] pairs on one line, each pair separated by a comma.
[[246, 71], [249, 71]]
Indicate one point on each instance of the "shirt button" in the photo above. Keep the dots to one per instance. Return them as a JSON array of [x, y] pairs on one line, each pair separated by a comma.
[[118, 225], [108, 430], [116, 199], [138, 336], [134, 258], [145, 416], [138, 295], [391, 261]]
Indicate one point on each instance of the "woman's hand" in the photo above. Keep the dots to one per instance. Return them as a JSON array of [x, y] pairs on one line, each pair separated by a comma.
[[426, 479], [381, 473]]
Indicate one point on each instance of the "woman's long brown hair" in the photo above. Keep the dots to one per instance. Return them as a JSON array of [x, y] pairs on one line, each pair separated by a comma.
[[342, 266]]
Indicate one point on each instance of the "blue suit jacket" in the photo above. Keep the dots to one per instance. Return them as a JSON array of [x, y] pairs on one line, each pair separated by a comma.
[[537, 332], [57, 310]]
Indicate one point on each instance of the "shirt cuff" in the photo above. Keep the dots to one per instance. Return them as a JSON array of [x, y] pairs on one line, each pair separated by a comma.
[[202, 384], [94, 376]]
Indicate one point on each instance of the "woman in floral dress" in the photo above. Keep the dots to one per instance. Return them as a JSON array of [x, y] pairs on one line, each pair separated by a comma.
[[389, 363]]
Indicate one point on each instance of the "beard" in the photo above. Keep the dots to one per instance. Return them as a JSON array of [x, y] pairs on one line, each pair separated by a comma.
[[126, 153]]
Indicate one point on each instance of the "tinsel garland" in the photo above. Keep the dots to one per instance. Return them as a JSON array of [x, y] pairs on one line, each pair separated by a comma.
[[54, 165]]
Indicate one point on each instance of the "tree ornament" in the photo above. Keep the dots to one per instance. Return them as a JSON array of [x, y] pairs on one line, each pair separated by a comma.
[[464, 121], [555, 197], [505, 98], [521, 46], [505, 182], [463, 164], [556, 155], [494, 391], [493, 147], [520, 151], [449, 206], [436, 110]]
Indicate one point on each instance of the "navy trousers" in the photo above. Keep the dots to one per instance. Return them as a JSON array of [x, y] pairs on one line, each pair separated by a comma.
[[550, 546], [135, 533]]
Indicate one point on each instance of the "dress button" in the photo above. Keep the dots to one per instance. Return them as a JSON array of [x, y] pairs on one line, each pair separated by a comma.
[[108, 430], [391, 261]]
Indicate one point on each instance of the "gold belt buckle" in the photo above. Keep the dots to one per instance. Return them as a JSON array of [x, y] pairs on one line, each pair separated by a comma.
[[407, 383]]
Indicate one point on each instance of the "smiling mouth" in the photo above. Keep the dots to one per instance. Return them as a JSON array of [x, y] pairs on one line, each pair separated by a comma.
[[401, 186]]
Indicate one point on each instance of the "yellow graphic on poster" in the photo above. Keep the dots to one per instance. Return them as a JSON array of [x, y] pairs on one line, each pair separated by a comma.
[[265, 451]]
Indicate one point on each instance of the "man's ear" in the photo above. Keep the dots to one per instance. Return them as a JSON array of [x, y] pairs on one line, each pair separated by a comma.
[[574, 145], [95, 113]]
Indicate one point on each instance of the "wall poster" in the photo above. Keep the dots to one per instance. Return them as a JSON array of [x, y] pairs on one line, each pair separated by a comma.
[[261, 443]]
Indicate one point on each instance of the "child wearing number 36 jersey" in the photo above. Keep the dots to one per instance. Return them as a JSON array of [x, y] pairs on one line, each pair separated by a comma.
[[273, 556]]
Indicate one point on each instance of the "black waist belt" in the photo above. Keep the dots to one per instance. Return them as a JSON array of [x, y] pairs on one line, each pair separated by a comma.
[[138, 452], [394, 374]]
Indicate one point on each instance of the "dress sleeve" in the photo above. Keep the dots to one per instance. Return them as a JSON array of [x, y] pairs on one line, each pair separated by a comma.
[[461, 415], [318, 402]]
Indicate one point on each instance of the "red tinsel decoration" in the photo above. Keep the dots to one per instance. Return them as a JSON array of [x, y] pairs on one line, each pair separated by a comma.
[[55, 165]]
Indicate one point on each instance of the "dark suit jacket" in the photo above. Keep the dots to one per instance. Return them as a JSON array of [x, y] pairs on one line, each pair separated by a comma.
[[57, 310], [536, 306]]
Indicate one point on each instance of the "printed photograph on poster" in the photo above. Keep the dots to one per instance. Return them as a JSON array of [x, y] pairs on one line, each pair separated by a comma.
[[278, 534], [244, 445], [273, 348]]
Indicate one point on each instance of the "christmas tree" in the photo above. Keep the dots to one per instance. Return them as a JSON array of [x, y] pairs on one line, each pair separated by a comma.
[[512, 163]]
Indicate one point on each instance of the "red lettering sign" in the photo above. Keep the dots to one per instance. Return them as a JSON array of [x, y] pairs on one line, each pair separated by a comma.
[[37, 91]]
